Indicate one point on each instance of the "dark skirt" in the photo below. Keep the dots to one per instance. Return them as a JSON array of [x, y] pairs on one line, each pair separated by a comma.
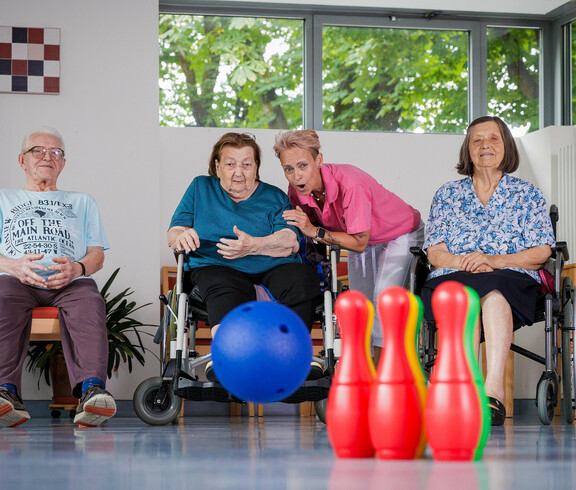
[[520, 290]]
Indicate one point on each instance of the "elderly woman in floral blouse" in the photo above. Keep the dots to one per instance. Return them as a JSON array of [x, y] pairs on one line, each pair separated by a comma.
[[492, 232]]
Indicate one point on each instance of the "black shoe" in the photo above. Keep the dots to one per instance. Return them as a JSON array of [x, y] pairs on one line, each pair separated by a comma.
[[498, 411], [12, 410], [316, 371]]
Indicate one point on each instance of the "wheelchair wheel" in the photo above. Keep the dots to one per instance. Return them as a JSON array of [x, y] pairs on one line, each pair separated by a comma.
[[148, 410], [545, 401], [568, 364], [320, 407]]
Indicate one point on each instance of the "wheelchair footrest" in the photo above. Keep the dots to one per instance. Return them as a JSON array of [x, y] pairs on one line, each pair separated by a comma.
[[311, 391], [204, 391]]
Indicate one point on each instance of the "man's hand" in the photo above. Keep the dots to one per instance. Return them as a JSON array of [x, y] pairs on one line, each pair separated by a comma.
[[23, 270], [67, 270], [236, 249]]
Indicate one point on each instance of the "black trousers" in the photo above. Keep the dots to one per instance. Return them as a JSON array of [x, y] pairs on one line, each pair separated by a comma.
[[223, 288]]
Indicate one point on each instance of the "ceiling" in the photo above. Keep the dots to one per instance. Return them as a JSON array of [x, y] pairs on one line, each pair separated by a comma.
[[526, 7]]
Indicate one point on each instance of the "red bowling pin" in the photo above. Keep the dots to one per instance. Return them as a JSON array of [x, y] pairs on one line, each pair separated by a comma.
[[453, 412], [396, 404], [347, 408]]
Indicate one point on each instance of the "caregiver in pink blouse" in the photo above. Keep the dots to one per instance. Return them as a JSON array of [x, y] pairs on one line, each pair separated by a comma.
[[343, 205]]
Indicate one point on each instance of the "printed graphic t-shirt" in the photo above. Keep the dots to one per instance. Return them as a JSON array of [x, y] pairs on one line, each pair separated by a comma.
[[55, 223]]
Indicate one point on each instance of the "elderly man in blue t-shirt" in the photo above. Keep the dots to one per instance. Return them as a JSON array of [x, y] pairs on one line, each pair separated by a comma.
[[51, 241]]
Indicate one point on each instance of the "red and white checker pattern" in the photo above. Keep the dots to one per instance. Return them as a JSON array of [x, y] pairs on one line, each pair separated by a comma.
[[29, 60]]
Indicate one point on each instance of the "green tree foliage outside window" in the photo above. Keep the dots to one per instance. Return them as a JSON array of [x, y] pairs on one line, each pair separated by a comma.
[[514, 76], [247, 72], [395, 79], [231, 72]]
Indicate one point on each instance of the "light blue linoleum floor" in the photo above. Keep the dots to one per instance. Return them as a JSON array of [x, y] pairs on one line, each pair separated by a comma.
[[278, 451]]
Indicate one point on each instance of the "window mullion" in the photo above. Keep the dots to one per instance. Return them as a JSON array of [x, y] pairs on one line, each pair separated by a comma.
[[478, 85]]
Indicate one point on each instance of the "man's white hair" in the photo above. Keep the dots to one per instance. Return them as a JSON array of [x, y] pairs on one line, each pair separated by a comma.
[[42, 130]]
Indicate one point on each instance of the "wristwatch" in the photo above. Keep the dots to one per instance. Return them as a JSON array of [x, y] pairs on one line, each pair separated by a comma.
[[320, 234]]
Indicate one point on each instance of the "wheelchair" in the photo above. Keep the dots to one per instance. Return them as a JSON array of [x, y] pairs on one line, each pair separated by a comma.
[[555, 307], [158, 400]]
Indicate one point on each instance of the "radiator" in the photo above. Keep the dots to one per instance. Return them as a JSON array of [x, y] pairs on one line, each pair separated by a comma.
[[564, 182]]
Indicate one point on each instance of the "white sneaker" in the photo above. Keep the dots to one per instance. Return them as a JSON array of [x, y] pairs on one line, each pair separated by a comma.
[[96, 406], [12, 410]]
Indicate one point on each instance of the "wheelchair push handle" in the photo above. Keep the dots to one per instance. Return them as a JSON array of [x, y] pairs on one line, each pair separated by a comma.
[[554, 213], [554, 217]]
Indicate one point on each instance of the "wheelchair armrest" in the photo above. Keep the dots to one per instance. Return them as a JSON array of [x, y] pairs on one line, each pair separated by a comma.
[[560, 254], [420, 267], [421, 255], [562, 249]]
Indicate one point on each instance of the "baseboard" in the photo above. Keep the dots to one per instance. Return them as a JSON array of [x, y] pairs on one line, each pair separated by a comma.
[[525, 407], [40, 408]]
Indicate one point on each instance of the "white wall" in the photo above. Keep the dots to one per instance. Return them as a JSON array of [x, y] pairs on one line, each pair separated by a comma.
[[108, 114]]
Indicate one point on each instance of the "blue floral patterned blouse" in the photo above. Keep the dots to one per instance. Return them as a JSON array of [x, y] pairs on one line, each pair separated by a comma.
[[514, 219]]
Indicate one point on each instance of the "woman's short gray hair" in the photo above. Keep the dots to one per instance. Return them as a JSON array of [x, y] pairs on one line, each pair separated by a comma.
[[305, 139], [42, 130]]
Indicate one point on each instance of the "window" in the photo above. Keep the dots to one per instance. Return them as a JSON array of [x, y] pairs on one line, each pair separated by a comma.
[[375, 79], [514, 77], [266, 65], [236, 72]]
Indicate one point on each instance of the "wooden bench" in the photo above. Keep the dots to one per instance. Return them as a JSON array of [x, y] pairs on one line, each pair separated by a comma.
[[45, 324]]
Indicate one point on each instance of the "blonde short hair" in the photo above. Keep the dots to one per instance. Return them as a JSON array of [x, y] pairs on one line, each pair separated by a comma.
[[306, 139]]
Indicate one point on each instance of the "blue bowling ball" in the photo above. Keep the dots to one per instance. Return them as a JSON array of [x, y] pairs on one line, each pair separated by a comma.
[[262, 352]]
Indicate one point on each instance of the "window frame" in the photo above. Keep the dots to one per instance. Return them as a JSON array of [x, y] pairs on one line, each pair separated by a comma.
[[545, 95], [360, 21], [316, 17], [561, 64]]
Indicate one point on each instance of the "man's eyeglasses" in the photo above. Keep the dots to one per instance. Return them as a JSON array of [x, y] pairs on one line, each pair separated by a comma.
[[39, 152]]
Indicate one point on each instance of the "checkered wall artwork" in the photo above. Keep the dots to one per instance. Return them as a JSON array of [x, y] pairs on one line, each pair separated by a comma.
[[29, 60]]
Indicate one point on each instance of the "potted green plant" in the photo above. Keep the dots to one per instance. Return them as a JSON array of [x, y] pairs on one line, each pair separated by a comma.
[[119, 323]]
